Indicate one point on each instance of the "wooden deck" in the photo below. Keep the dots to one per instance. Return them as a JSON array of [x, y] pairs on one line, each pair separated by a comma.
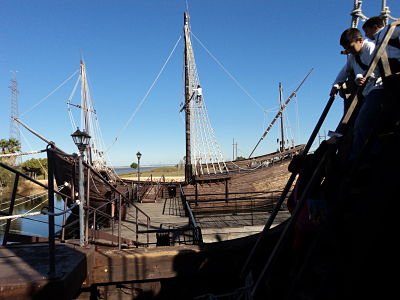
[[168, 214]]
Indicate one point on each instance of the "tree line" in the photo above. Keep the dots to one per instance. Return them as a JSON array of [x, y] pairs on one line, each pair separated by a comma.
[[33, 167]]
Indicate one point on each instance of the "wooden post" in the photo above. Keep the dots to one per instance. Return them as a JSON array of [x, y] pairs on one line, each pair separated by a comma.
[[52, 242], [195, 194], [226, 188], [11, 209]]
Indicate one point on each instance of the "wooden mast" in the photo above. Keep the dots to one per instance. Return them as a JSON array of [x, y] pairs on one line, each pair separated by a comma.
[[85, 122], [188, 162]]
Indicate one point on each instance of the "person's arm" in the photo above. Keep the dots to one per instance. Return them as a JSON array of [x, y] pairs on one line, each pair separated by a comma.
[[366, 56], [340, 78]]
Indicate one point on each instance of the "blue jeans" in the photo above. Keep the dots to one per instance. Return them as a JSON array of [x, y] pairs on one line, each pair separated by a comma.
[[365, 121]]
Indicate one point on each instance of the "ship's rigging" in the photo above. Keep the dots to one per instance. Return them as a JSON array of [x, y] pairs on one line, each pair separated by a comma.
[[89, 123], [203, 155], [282, 107], [357, 13]]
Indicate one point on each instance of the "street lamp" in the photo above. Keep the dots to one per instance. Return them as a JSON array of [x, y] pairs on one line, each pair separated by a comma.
[[138, 155], [81, 140]]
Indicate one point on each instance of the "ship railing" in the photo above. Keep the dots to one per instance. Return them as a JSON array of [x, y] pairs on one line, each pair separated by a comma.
[[178, 234], [215, 203], [248, 165], [197, 235], [147, 187], [380, 55], [118, 203], [156, 186], [143, 188], [138, 223], [119, 212], [251, 207]]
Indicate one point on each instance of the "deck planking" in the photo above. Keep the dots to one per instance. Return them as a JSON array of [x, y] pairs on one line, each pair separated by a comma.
[[25, 271]]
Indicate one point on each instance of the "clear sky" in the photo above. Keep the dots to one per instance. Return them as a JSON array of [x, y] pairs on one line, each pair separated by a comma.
[[125, 44]]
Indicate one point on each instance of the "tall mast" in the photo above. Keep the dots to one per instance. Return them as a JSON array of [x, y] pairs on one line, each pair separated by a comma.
[[282, 144], [188, 161], [203, 156], [85, 108]]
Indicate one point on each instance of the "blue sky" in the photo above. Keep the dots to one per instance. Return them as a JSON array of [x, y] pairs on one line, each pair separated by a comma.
[[125, 44]]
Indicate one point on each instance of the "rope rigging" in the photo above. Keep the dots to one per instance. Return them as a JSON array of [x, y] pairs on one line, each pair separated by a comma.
[[228, 73], [51, 93], [205, 154], [146, 95], [357, 14], [89, 122], [293, 94]]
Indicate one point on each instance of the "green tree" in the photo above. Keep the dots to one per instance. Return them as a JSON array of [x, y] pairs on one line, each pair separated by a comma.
[[3, 145], [14, 145], [6, 147], [11, 145], [35, 166], [134, 165]]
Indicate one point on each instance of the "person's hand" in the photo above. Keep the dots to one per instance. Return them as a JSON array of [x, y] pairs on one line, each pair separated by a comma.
[[360, 81], [333, 91]]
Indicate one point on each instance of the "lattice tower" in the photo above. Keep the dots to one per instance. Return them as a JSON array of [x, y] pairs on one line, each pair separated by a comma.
[[14, 129]]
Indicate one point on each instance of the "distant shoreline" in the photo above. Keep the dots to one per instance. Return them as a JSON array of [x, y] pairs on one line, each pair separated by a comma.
[[125, 170], [165, 178], [155, 173]]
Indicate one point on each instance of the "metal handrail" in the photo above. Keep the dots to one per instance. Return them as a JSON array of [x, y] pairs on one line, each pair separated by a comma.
[[197, 235], [232, 193]]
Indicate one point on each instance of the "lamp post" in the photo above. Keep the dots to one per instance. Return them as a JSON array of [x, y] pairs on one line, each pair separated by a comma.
[[138, 155], [81, 140]]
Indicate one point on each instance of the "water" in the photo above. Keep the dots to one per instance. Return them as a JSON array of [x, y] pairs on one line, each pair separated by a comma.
[[123, 170], [30, 225]]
